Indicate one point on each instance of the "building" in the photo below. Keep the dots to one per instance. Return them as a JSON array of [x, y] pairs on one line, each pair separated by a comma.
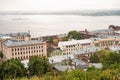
[[86, 34], [3, 38], [68, 47], [23, 49], [24, 36], [17, 36], [87, 45], [106, 42]]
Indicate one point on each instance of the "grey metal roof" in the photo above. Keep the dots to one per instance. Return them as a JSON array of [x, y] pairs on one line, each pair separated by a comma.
[[11, 42], [102, 31], [16, 34], [115, 48], [63, 68], [86, 50]]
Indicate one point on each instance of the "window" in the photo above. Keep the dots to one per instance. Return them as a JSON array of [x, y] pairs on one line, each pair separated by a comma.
[[37, 51], [12, 49], [13, 54]]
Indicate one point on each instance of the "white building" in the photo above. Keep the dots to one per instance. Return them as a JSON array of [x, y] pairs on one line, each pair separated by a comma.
[[88, 45], [68, 47]]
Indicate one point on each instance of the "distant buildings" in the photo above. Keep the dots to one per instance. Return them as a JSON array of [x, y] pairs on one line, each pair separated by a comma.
[[88, 45], [86, 34], [20, 46]]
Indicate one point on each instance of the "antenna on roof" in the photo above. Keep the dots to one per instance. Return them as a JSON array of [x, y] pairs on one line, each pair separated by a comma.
[[29, 30]]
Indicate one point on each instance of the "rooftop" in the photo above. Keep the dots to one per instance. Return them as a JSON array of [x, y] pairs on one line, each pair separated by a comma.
[[16, 34], [86, 50], [60, 58], [73, 42], [102, 31], [115, 48], [11, 42]]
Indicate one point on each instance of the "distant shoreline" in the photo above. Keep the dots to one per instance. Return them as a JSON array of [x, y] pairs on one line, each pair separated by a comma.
[[81, 13]]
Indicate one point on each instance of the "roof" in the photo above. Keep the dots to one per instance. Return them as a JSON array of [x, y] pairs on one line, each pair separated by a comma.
[[115, 48], [97, 65], [117, 32], [102, 31], [63, 68], [5, 37], [60, 58], [16, 34], [73, 42], [11, 42], [86, 50]]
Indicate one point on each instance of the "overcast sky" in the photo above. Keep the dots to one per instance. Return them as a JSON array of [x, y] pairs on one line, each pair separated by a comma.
[[57, 5]]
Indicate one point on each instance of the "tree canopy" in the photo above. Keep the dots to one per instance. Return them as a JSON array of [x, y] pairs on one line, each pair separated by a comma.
[[72, 35], [11, 69], [38, 65]]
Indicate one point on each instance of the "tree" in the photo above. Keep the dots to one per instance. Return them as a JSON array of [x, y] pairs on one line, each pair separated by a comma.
[[1, 54], [49, 51], [12, 69], [94, 58], [74, 35], [65, 38], [111, 58], [50, 40], [38, 65]]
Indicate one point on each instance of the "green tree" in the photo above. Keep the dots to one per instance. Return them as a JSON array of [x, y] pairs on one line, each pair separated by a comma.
[[94, 58], [111, 60], [74, 35], [65, 38], [38, 65], [12, 69], [50, 40], [1, 54]]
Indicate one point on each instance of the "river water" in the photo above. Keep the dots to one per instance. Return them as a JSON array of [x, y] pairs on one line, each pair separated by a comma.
[[40, 25]]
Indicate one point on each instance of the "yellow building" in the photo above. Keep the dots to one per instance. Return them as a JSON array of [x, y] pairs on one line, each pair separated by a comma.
[[106, 42]]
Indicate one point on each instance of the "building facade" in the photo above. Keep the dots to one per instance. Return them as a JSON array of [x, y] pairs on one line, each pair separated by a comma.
[[23, 49], [24, 36], [68, 47], [17, 36], [85, 45]]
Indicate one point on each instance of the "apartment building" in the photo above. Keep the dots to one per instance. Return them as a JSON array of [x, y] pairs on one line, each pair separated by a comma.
[[68, 47], [106, 42], [23, 49], [24, 36], [85, 45]]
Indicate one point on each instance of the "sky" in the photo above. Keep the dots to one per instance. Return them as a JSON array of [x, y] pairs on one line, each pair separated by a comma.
[[57, 5]]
